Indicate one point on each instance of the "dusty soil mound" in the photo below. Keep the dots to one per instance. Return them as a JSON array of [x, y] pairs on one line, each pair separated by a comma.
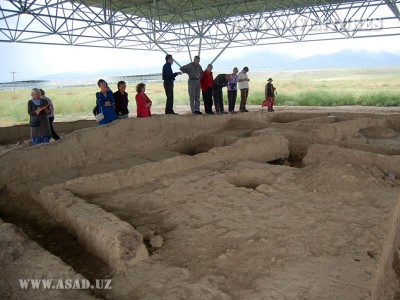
[[379, 133], [218, 205], [330, 177]]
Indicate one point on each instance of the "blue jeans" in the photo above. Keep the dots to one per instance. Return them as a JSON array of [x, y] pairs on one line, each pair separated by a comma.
[[40, 139]]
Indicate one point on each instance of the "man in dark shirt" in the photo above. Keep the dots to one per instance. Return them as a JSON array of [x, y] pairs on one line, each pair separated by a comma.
[[168, 76], [121, 100], [219, 82]]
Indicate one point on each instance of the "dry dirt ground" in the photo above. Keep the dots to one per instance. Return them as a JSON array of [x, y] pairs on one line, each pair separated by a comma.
[[303, 203]]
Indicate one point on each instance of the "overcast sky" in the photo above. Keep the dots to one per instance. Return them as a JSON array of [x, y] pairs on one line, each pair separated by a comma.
[[36, 61]]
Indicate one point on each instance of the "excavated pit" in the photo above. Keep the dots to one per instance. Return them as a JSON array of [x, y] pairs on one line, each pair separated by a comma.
[[41, 228], [284, 205]]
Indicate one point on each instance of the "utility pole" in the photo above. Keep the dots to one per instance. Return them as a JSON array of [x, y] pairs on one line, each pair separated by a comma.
[[13, 73]]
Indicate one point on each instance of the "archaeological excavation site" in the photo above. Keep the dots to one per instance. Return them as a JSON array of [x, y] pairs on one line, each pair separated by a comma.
[[295, 204]]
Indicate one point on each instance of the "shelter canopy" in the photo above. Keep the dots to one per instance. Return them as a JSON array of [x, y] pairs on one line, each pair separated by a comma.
[[193, 25]]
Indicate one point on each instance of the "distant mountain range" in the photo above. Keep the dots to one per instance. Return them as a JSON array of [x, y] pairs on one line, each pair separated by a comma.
[[349, 59], [342, 59], [263, 61]]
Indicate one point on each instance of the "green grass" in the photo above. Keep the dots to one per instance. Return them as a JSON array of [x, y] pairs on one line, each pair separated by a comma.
[[333, 98], [371, 87]]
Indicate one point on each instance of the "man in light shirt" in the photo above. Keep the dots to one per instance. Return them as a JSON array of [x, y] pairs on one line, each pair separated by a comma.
[[243, 81], [194, 71]]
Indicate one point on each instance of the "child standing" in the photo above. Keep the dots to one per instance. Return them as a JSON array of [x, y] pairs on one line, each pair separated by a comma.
[[269, 95]]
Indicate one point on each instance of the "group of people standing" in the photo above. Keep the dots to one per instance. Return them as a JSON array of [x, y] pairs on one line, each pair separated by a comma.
[[111, 106], [210, 87]]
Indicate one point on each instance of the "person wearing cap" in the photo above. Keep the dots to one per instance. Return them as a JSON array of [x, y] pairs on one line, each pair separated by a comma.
[[270, 95], [194, 71], [243, 81], [169, 77]]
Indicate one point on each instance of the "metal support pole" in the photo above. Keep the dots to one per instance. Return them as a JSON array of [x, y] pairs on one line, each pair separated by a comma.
[[13, 74], [392, 5], [222, 51], [200, 42]]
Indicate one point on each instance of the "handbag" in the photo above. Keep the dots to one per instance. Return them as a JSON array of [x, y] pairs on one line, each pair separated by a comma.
[[34, 122], [99, 116]]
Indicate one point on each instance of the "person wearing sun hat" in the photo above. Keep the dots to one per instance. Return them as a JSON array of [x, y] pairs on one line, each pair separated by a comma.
[[269, 95]]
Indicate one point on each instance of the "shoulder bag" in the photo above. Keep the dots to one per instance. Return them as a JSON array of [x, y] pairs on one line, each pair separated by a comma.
[[99, 116]]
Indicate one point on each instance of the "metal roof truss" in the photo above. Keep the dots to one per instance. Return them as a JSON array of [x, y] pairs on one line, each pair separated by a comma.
[[109, 26]]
